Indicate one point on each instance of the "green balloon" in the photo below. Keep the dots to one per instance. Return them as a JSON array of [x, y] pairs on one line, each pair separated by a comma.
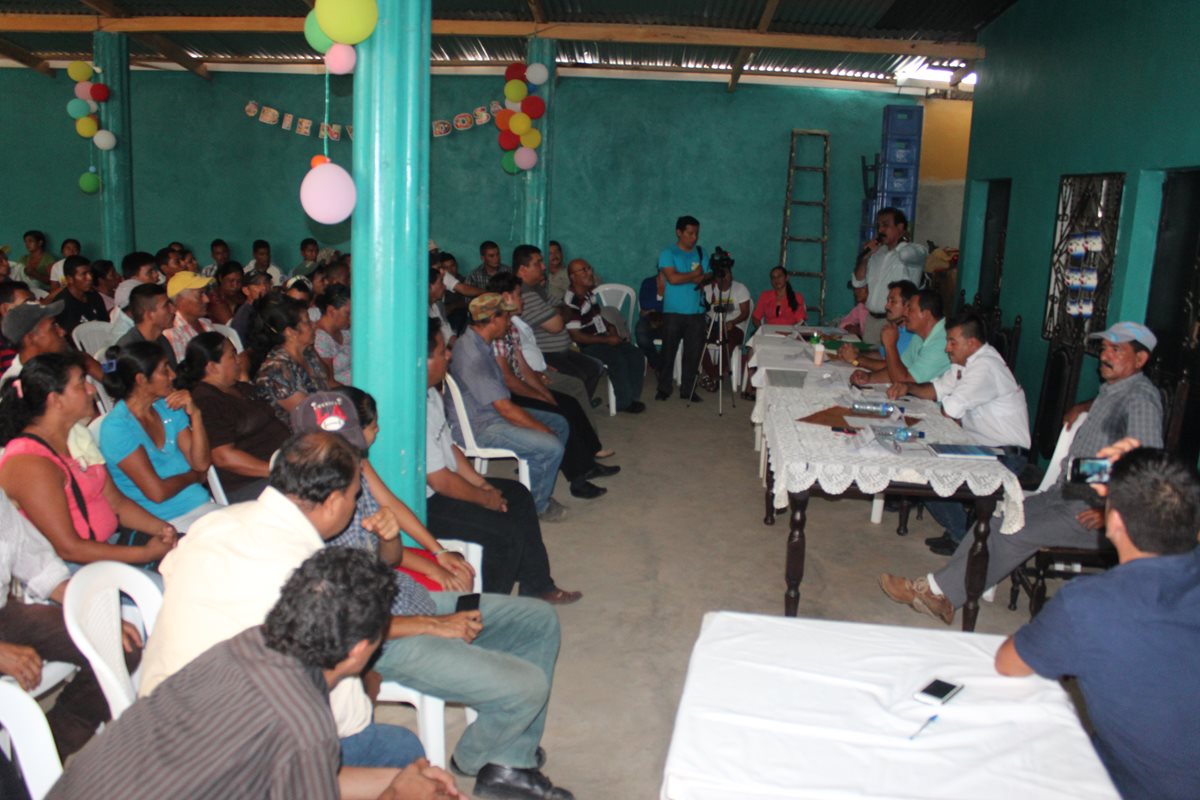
[[89, 182], [78, 108], [313, 34], [509, 162]]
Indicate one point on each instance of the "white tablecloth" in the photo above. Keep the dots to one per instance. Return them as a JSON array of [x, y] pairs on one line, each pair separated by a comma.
[[776, 707]]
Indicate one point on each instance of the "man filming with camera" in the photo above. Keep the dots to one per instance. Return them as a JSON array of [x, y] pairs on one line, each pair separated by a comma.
[[684, 266], [728, 302]]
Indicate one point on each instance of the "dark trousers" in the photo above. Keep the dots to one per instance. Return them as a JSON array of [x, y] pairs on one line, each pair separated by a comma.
[[648, 329], [579, 455], [626, 369], [574, 363], [513, 550], [689, 329], [81, 706]]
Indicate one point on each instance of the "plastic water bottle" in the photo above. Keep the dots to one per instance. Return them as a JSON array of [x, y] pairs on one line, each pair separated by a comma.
[[908, 435], [874, 408]]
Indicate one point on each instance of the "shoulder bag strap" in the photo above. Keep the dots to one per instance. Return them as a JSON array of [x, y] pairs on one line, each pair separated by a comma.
[[80, 502]]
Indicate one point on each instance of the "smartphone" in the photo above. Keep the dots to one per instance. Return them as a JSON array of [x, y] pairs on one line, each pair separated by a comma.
[[467, 602], [1089, 470], [938, 692]]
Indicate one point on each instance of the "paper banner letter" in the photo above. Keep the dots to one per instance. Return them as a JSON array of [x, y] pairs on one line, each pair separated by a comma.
[[335, 133], [251, 108], [494, 106], [463, 122], [482, 117], [268, 115], [304, 127], [287, 122], [441, 127], [350, 132]]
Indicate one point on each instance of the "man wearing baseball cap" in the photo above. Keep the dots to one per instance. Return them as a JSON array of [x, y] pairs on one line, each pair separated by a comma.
[[1127, 405], [189, 292]]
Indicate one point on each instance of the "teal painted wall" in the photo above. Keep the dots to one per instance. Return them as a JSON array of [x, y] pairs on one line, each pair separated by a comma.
[[1070, 87], [202, 168]]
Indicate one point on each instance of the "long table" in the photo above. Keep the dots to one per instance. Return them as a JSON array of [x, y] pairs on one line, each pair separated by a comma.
[[776, 707], [801, 458]]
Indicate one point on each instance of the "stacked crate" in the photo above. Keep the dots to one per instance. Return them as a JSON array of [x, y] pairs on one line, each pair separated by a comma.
[[896, 167]]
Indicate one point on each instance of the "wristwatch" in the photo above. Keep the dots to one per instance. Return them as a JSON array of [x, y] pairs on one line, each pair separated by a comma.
[[854, 363]]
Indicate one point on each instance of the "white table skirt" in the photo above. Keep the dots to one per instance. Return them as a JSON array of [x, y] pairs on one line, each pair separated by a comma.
[[775, 707]]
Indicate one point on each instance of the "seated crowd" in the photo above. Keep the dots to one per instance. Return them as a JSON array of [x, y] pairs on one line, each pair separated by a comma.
[[232, 462]]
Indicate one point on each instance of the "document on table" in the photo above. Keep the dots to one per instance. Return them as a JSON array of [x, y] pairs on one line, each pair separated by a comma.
[[786, 378]]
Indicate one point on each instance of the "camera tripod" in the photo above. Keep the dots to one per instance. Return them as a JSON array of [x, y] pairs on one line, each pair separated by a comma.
[[722, 341]]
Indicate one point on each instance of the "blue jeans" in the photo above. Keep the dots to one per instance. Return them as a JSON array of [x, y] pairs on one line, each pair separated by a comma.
[[505, 675], [381, 746], [952, 514], [543, 451]]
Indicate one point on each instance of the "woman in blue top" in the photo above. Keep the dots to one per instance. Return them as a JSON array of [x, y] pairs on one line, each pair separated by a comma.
[[154, 439]]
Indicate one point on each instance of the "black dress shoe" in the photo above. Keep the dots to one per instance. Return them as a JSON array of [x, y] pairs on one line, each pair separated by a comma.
[[511, 783], [539, 756], [586, 491], [942, 545], [695, 398], [661, 395], [600, 471], [636, 407]]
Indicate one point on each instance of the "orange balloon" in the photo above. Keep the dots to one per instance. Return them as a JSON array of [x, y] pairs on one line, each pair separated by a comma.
[[318, 160], [502, 118]]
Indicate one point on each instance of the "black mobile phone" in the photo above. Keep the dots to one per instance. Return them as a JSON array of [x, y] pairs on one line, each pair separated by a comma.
[[1089, 470], [467, 602], [938, 691]]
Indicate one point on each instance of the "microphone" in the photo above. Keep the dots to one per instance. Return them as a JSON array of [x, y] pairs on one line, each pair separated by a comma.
[[867, 251]]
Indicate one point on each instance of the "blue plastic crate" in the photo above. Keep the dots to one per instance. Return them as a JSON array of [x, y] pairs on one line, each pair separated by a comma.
[[899, 180], [902, 121], [900, 150]]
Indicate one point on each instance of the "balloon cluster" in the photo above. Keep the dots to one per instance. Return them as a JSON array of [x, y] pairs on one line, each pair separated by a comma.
[[518, 138], [84, 108], [333, 27]]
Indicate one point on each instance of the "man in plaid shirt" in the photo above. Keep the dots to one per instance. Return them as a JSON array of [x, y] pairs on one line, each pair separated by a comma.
[[1127, 405]]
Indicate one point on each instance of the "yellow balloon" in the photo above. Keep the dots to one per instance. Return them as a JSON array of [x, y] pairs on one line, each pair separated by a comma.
[[79, 71], [86, 127], [531, 139], [519, 123], [347, 21], [516, 90]]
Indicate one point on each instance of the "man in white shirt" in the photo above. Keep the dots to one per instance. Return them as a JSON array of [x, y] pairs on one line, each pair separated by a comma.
[[884, 260], [731, 298], [980, 392], [261, 262], [229, 574]]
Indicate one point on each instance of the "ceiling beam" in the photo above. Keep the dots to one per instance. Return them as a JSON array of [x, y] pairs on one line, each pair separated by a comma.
[[537, 10], [600, 32], [156, 41], [742, 59], [957, 76], [23, 56]]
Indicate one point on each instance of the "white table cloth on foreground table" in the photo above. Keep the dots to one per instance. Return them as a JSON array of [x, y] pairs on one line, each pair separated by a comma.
[[775, 707]]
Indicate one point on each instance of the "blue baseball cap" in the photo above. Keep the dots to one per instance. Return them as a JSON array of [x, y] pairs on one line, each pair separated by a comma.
[[1123, 332]]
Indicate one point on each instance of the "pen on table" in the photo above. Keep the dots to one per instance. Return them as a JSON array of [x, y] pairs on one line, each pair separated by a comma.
[[847, 431], [924, 725]]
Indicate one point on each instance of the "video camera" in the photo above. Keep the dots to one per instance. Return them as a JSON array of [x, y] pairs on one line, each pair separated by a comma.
[[719, 264]]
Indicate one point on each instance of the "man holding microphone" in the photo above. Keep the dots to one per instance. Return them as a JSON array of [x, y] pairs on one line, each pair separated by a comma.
[[885, 259]]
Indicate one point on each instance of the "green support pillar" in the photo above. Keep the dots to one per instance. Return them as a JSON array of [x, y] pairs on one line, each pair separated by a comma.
[[111, 55], [390, 236], [535, 228]]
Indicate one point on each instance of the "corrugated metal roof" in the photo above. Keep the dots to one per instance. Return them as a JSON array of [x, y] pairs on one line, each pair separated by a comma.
[[937, 20]]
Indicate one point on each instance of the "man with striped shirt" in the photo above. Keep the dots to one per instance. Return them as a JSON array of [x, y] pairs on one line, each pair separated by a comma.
[[250, 717]]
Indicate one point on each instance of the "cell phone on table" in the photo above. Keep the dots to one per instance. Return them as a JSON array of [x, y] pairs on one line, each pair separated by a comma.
[[1089, 470], [938, 692], [467, 602]]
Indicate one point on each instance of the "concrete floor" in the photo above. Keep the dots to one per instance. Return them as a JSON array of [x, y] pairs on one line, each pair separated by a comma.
[[679, 534]]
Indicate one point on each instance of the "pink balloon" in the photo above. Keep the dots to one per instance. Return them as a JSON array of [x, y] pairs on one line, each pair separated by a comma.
[[340, 59], [83, 90], [328, 194], [526, 157]]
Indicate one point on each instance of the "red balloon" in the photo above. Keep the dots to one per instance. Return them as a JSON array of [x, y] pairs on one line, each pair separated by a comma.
[[502, 117], [509, 140], [99, 92], [534, 106], [515, 72]]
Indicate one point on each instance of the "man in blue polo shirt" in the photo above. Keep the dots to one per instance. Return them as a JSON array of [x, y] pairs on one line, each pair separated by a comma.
[[1131, 636], [683, 266], [925, 357]]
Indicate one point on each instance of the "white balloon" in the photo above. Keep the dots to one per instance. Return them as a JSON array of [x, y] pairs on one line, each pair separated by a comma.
[[93, 105], [537, 74], [105, 140], [512, 105]]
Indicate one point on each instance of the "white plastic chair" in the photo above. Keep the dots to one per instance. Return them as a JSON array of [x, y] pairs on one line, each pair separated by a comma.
[[23, 720], [92, 336], [431, 711], [230, 334], [471, 448], [1061, 448], [614, 295], [215, 487], [104, 401], [92, 609]]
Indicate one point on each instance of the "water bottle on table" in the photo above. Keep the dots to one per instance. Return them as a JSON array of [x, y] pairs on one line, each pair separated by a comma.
[[874, 408]]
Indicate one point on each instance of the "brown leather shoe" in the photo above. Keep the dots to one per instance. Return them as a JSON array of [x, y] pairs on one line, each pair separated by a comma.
[[561, 597], [918, 596], [898, 588]]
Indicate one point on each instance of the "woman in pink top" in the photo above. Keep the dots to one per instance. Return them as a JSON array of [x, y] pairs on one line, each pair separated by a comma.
[[779, 305], [76, 507]]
